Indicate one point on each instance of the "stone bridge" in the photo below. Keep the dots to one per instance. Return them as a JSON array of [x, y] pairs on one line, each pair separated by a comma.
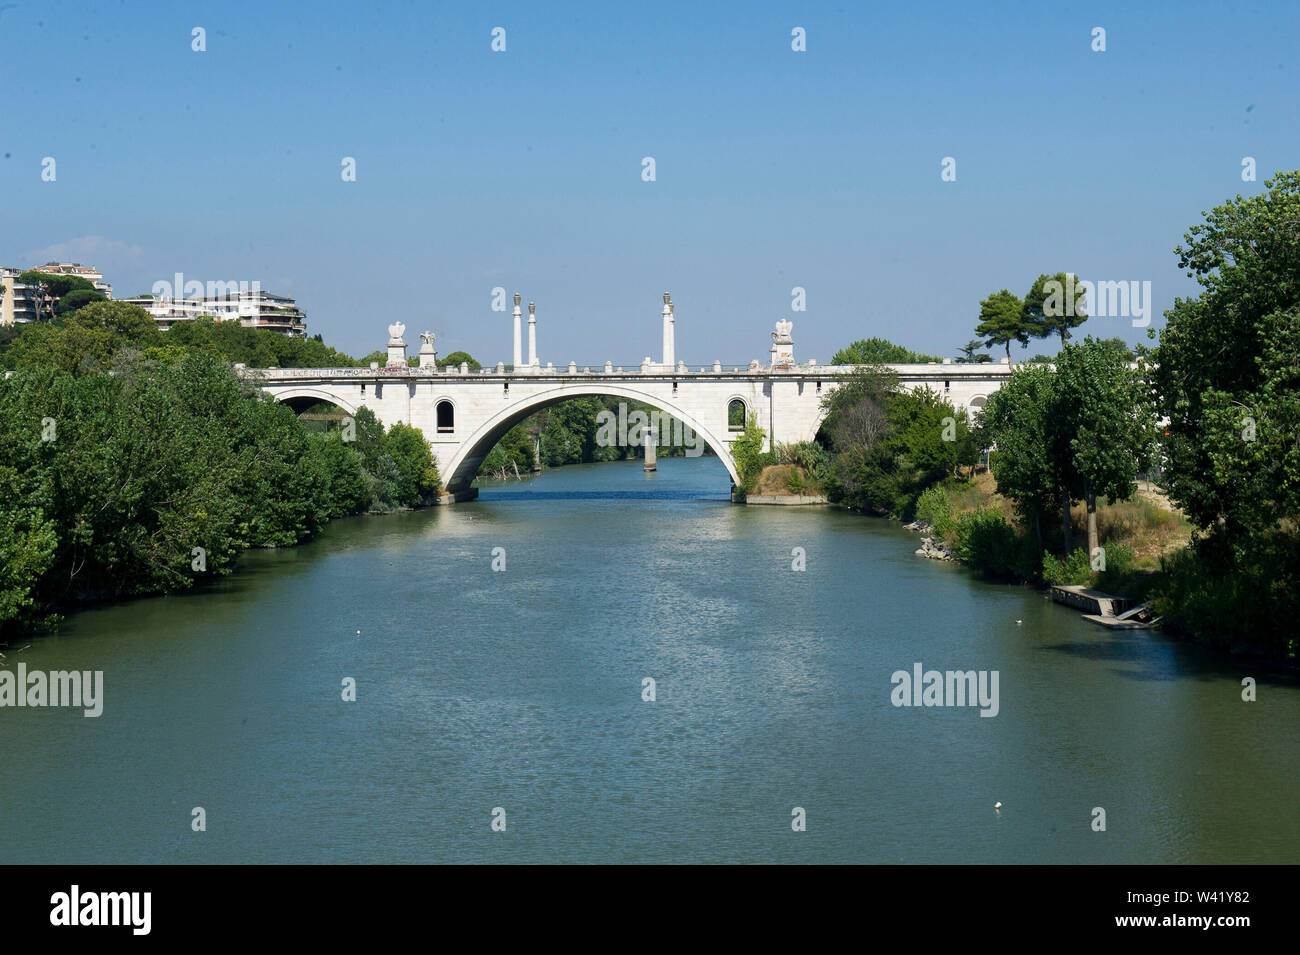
[[463, 414]]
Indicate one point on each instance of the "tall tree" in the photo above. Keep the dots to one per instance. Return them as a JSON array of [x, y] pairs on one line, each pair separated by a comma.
[[1002, 321], [1053, 306], [1106, 409], [1018, 421], [1225, 370], [46, 288]]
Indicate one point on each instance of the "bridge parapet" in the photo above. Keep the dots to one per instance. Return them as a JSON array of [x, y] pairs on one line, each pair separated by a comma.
[[930, 372]]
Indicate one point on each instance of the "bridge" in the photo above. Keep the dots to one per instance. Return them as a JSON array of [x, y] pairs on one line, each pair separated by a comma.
[[463, 414]]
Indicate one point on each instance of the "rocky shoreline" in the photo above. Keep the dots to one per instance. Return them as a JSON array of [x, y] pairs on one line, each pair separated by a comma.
[[930, 547]]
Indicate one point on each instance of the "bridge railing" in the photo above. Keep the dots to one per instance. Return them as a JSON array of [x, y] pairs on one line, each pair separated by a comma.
[[720, 369]]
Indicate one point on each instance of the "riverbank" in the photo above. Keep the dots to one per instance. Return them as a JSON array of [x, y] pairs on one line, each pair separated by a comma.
[[156, 478], [1149, 553]]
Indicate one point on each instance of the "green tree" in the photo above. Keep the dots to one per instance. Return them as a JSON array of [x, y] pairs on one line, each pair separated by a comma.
[[129, 323], [1224, 371], [968, 353], [1002, 321], [879, 351], [455, 359], [347, 489], [78, 298], [45, 289], [569, 435], [414, 460], [929, 437], [1018, 421], [1052, 306]]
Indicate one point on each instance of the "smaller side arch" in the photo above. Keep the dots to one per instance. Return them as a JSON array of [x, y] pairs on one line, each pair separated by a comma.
[[444, 416], [736, 405], [317, 394]]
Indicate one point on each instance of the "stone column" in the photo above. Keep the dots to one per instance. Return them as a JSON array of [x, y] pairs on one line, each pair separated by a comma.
[[668, 332], [532, 334], [519, 339]]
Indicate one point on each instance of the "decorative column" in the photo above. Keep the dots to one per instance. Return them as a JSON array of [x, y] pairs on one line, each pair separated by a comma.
[[532, 334], [668, 333], [519, 339]]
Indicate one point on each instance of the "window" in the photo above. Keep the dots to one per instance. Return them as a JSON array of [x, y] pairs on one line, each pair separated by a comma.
[[735, 415], [446, 417]]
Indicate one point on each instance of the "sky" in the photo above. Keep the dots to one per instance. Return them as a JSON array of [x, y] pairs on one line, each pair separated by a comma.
[[523, 169]]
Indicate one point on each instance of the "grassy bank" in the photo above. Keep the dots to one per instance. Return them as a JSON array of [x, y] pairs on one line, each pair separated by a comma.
[[1231, 600]]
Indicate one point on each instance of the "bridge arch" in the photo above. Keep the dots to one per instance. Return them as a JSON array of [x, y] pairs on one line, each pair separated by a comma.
[[462, 467], [301, 396]]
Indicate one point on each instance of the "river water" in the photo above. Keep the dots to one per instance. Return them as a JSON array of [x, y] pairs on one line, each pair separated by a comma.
[[522, 690]]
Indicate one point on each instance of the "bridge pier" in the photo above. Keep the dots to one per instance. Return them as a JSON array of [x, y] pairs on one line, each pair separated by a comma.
[[455, 497]]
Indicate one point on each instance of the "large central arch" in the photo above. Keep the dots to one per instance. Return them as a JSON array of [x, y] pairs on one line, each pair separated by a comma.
[[469, 454]]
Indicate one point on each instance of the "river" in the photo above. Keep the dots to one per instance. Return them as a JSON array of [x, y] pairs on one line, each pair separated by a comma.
[[522, 690]]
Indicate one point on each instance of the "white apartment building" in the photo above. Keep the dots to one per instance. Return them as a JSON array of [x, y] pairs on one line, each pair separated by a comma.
[[16, 307], [93, 275], [253, 308]]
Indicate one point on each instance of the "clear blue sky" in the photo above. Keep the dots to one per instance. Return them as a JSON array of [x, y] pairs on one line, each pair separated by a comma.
[[523, 169]]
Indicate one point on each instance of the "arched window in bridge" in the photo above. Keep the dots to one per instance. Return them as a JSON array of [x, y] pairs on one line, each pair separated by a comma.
[[446, 417], [735, 415]]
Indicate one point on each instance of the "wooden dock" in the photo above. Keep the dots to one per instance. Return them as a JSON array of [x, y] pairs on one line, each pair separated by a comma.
[[1090, 601], [1106, 609]]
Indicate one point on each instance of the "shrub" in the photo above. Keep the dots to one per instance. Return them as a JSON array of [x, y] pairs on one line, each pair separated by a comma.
[[1073, 570], [812, 458], [934, 507], [1118, 574], [1236, 595], [747, 452], [991, 547]]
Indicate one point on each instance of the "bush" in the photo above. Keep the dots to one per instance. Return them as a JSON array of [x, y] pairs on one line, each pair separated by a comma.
[[747, 452], [1238, 595], [934, 507], [991, 547], [1118, 574], [814, 461], [1071, 571]]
